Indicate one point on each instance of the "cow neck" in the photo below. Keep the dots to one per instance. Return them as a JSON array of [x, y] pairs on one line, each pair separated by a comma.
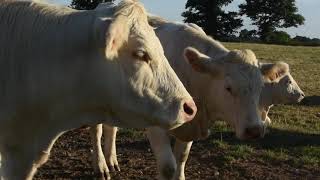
[[76, 33], [54, 32], [267, 97]]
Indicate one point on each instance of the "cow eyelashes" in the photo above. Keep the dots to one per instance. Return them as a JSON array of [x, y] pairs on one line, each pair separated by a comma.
[[142, 55]]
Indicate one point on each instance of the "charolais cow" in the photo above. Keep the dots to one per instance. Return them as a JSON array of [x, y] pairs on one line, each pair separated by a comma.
[[225, 85], [279, 88], [62, 68]]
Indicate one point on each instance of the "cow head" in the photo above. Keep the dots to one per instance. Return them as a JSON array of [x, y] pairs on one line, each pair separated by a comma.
[[231, 86], [145, 89], [284, 89]]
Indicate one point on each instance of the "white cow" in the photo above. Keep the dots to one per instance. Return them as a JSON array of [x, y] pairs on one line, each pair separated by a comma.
[[279, 88], [62, 68], [225, 85]]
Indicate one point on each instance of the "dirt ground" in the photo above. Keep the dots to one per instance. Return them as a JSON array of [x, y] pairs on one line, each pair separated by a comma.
[[70, 159]]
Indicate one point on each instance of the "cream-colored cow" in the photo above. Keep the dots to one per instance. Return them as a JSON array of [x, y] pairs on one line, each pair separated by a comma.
[[62, 68], [279, 88], [225, 85]]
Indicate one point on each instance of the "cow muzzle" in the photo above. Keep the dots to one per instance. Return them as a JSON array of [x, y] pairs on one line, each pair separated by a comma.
[[301, 96], [254, 132]]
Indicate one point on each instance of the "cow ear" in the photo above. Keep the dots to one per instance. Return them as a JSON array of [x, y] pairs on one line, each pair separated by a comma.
[[116, 35], [198, 61], [202, 63], [156, 21], [274, 71]]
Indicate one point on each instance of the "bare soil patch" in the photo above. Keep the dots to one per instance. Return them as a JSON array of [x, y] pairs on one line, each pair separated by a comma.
[[70, 159]]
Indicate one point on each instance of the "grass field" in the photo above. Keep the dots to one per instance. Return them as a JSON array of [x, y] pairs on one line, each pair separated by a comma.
[[291, 149]]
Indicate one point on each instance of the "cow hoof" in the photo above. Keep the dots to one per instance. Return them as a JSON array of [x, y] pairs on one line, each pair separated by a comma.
[[104, 176], [179, 175], [167, 173], [112, 163], [102, 170], [180, 178]]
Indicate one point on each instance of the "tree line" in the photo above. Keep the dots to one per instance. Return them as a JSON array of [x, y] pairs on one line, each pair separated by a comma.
[[266, 15]]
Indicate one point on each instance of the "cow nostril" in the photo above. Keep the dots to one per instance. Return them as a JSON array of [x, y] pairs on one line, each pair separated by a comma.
[[302, 95], [252, 133], [187, 109]]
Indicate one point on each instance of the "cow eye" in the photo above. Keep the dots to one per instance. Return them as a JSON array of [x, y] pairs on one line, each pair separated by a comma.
[[229, 89], [289, 82], [142, 55]]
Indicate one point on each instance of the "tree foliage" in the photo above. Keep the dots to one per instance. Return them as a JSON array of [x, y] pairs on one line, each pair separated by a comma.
[[246, 35], [87, 4], [268, 15], [305, 41], [209, 15], [278, 37]]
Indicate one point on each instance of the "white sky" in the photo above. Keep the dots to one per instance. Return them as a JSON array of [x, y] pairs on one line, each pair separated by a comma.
[[172, 9]]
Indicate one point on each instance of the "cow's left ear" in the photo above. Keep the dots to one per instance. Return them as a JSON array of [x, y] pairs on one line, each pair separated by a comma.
[[197, 60], [274, 71], [116, 35], [156, 21]]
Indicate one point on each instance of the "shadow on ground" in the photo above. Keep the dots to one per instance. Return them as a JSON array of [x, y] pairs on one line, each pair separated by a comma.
[[275, 138], [311, 101], [71, 158]]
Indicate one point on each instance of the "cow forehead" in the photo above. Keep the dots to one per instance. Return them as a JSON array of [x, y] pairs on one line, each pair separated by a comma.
[[287, 77], [136, 17], [147, 39], [242, 66], [245, 76], [245, 57]]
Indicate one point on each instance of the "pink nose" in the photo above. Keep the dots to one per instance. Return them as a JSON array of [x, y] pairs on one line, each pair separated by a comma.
[[189, 110]]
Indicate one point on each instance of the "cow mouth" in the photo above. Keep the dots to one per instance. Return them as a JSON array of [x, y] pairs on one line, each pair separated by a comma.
[[300, 99]]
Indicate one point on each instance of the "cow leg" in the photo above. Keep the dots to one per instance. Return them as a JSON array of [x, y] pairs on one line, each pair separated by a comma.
[[98, 161], [268, 120], [110, 152], [181, 152], [161, 147], [264, 116], [21, 161], [17, 164]]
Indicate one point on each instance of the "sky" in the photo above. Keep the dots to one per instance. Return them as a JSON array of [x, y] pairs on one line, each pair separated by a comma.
[[172, 9]]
